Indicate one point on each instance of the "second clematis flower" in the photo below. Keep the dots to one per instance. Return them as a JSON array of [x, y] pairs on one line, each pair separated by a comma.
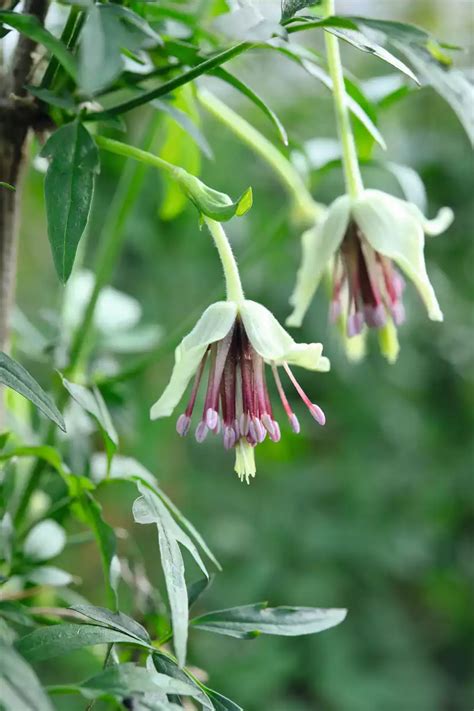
[[363, 240], [236, 339]]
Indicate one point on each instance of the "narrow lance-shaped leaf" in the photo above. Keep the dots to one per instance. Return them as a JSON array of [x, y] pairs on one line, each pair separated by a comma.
[[108, 29], [129, 469], [165, 665], [250, 620], [20, 687], [93, 403], [30, 26], [307, 60], [69, 186], [150, 509], [14, 376], [54, 641], [244, 89], [128, 680], [115, 620], [88, 510]]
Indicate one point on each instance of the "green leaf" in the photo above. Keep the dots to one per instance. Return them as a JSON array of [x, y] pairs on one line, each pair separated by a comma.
[[358, 104], [220, 702], [150, 509], [115, 620], [93, 403], [30, 26], [108, 30], [431, 62], [196, 589], [69, 186], [63, 101], [291, 7], [451, 84], [45, 540], [129, 469], [56, 640], [20, 687], [187, 121], [250, 620], [7, 186], [165, 665], [359, 40], [88, 510], [14, 376], [255, 98], [125, 680]]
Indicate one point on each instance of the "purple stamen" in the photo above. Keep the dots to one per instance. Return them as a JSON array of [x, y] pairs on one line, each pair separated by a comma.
[[201, 432], [212, 418], [183, 424], [237, 401]]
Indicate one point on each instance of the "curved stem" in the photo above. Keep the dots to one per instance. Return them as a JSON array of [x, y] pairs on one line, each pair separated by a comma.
[[350, 161], [234, 288], [306, 207]]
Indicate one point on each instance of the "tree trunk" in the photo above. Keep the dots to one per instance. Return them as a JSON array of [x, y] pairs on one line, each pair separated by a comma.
[[17, 114]]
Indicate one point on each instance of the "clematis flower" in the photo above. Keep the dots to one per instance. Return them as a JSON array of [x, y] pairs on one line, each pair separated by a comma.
[[363, 240], [238, 338]]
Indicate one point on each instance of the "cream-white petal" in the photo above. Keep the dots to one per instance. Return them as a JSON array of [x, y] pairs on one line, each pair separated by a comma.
[[273, 343], [214, 324], [309, 356], [436, 225], [265, 333], [319, 245], [392, 228]]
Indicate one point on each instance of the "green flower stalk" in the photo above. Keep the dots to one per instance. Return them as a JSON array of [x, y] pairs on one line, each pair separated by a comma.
[[237, 337], [363, 235]]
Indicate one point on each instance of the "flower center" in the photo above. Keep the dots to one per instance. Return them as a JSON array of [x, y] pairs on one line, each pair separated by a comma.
[[237, 402], [366, 284]]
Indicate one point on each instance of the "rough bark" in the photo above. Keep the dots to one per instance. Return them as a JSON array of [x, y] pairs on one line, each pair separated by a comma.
[[18, 113]]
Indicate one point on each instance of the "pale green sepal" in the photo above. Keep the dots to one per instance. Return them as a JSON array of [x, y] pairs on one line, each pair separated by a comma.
[[319, 244], [273, 343], [388, 341], [219, 206], [391, 228], [214, 324], [437, 224]]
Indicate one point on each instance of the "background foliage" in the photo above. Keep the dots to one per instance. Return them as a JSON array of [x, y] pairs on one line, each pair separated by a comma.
[[373, 512]]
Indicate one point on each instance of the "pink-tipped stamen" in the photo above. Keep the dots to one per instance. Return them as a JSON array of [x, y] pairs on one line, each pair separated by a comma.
[[314, 409], [182, 425], [284, 400], [201, 432]]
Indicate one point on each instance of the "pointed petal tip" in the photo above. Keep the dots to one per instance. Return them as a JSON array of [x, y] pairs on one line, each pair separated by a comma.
[[440, 223], [294, 320]]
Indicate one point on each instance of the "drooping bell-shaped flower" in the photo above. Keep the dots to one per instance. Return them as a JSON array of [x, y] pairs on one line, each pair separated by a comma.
[[234, 340], [363, 241]]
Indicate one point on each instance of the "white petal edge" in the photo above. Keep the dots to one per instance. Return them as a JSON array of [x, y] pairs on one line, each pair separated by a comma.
[[274, 344], [436, 225], [214, 324], [319, 245], [392, 228]]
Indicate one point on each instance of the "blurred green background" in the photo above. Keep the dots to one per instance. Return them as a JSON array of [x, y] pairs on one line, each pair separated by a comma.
[[373, 512]]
